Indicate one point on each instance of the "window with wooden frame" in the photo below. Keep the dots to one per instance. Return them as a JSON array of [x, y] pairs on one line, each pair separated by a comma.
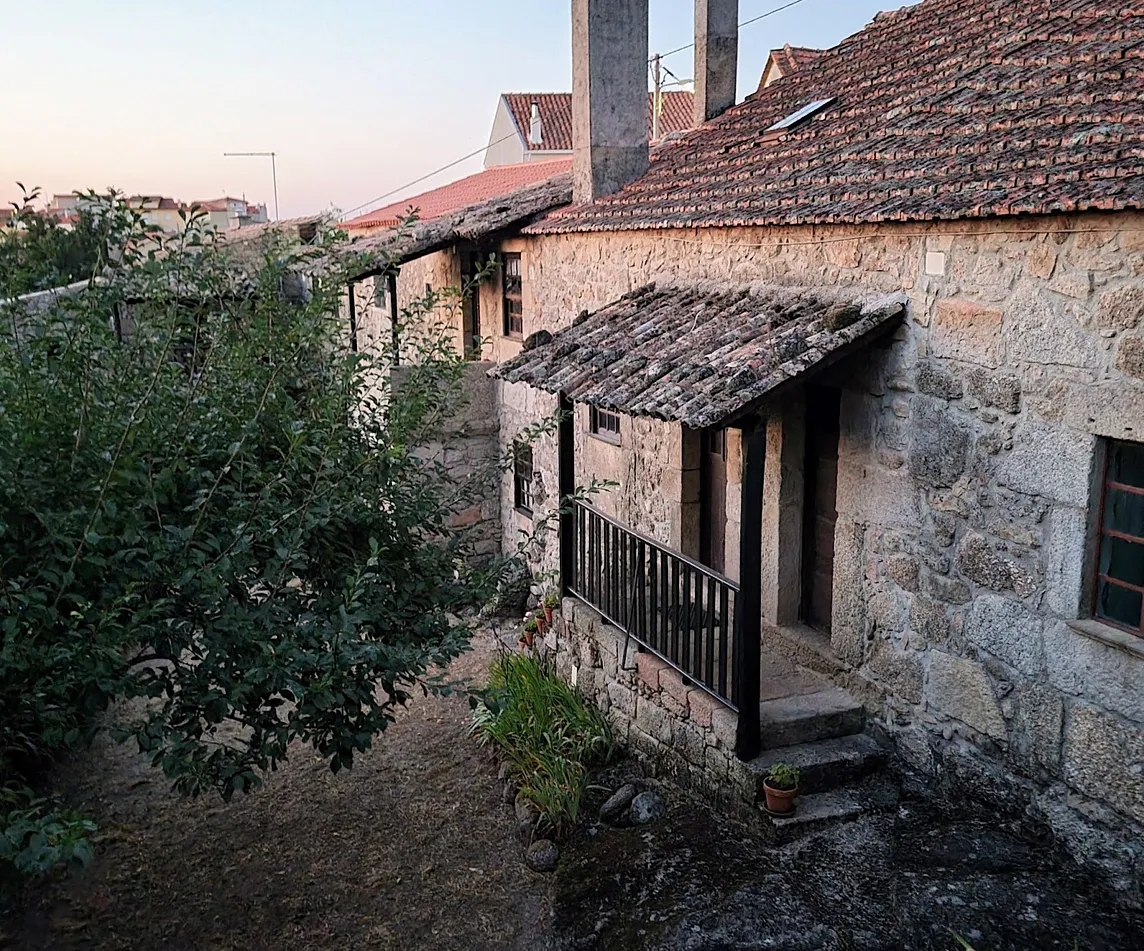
[[513, 296], [604, 424], [522, 475], [1118, 578]]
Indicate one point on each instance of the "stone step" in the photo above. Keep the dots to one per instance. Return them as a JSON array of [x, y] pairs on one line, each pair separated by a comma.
[[845, 804], [806, 718], [825, 764]]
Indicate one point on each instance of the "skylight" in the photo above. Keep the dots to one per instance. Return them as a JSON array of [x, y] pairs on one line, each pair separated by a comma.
[[804, 113]]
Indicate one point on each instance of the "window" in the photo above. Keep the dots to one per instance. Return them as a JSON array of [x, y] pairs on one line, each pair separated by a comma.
[[1118, 583], [522, 477], [513, 306], [604, 424]]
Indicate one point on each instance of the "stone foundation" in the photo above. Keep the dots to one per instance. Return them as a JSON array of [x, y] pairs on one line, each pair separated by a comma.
[[679, 732]]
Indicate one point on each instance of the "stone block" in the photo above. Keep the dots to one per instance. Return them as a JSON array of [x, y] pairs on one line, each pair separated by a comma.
[[1037, 721], [1002, 390], [1049, 461], [1104, 759], [725, 725], [1130, 356], [897, 672], [929, 619], [967, 330], [622, 699], [649, 667], [939, 449], [888, 610], [984, 564], [1096, 671], [940, 588], [1065, 557], [962, 689], [1120, 309], [671, 683], [1110, 409], [849, 608], [688, 740], [1038, 329], [1009, 631], [933, 379], [700, 706], [876, 495], [903, 570], [1041, 261], [652, 719]]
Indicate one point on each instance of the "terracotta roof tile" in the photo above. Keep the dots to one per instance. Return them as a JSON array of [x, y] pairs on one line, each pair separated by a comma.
[[697, 355], [556, 116], [948, 109], [491, 183]]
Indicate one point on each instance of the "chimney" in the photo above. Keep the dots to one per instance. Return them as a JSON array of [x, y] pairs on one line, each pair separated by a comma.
[[534, 130], [609, 95], [716, 57]]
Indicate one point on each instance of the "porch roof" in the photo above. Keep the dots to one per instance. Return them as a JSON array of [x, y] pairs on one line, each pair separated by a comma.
[[699, 355]]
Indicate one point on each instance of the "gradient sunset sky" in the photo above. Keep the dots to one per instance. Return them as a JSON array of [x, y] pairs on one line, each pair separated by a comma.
[[357, 97]]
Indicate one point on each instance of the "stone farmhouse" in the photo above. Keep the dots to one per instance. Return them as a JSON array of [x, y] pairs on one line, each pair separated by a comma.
[[863, 356]]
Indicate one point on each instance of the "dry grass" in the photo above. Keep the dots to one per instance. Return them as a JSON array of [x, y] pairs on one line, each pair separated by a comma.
[[411, 848]]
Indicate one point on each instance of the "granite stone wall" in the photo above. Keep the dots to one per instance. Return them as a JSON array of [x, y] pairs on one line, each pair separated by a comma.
[[965, 486]]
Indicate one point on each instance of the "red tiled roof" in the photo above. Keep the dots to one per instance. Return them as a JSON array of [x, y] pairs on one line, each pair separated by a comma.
[[556, 116], [789, 59], [948, 109], [491, 183]]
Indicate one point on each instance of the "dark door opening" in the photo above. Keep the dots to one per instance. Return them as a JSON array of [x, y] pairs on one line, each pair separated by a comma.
[[819, 506], [471, 303], [713, 500]]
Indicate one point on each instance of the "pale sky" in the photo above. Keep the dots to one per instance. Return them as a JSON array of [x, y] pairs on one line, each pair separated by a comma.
[[356, 97]]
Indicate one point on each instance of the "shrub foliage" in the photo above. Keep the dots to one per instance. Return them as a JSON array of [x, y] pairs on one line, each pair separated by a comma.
[[210, 501]]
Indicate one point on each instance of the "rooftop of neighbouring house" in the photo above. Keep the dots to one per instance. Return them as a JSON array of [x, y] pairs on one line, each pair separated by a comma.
[[786, 60], [556, 116], [698, 355], [948, 109], [483, 186]]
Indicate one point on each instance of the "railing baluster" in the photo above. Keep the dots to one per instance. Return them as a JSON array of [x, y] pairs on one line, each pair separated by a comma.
[[709, 614]]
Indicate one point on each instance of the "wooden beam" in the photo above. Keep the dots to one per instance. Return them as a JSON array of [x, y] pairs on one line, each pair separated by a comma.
[[566, 479], [748, 609]]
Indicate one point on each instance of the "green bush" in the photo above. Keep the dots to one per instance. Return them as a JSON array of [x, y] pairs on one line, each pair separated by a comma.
[[209, 500], [546, 731]]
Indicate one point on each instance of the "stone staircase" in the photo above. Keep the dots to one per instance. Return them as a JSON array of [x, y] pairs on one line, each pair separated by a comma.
[[808, 722]]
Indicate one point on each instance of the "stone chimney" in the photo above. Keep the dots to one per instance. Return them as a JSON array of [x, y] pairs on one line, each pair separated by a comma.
[[609, 95], [716, 57]]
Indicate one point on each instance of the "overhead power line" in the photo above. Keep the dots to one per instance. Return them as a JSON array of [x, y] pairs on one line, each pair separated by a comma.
[[761, 16], [401, 188]]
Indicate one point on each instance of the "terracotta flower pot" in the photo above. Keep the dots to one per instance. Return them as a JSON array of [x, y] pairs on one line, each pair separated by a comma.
[[540, 626], [779, 801], [548, 614]]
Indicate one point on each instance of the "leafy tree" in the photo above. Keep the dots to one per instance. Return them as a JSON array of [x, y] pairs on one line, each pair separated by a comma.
[[209, 501]]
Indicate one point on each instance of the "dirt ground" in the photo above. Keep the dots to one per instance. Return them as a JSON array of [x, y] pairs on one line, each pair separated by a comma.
[[412, 848]]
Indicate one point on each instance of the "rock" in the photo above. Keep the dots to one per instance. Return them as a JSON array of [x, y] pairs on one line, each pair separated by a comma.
[[613, 810], [1130, 356], [542, 855], [1002, 390], [527, 816], [961, 688], [645, 808], [935, 380], [1120, 309], [939, 451]]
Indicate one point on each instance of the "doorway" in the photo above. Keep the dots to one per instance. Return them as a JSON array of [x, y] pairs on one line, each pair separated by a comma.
[[820, 511], [713, 500]]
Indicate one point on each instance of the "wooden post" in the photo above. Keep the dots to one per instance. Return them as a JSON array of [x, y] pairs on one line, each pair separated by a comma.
[[748, 614], [566, 450]]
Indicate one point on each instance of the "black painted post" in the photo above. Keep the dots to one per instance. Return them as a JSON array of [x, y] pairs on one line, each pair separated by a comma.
[[566, 448], [748, 612]]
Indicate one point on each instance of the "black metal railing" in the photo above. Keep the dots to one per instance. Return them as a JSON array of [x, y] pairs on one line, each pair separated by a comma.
[[668, 603]]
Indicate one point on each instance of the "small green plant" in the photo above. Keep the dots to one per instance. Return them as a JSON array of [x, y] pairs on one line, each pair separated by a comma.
[[549, 735], [552, 600], [531, 626], [783, 776]]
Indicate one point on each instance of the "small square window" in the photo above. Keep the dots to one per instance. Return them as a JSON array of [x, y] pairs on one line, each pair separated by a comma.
[[522, 475], [1118, 582], [513, 296], [604, 424]]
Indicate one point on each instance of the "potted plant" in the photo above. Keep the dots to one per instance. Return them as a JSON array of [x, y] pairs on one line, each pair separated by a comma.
[[541, 624], [781, 788], [550, 603], [528, 632]]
